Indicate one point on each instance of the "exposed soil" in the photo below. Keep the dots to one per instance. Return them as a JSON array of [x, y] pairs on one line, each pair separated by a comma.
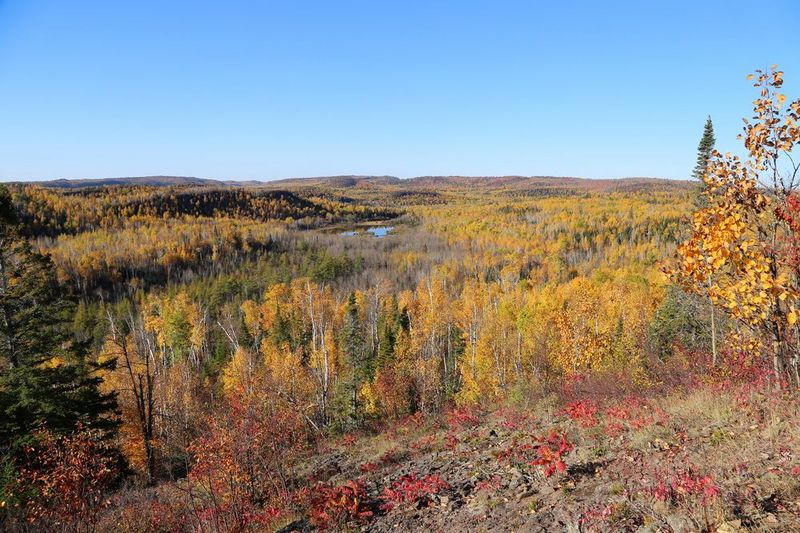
[[704, 461]]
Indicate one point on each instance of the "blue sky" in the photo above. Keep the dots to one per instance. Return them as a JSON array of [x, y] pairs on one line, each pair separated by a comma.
[[265, 90]]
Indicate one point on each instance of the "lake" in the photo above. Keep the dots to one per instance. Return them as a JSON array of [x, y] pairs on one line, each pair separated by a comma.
[[378, 231]]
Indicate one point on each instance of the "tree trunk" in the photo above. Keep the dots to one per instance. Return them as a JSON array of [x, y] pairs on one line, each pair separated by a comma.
[[713, 336]]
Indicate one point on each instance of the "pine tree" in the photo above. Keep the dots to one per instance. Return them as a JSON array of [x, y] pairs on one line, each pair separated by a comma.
[[387, 338], [45, 376], [359, 359], [388, 327], [704, 150]]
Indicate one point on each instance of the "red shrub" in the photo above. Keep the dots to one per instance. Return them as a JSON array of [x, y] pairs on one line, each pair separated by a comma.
[[242, 464], [550, 453], [462, 417], [583, 411], [490, 484], [597, 516], [412, 489], [635, 412], [366, 468], [336, 506], [413, 421], [423, 444], [514, 420], [65, 479], [599, 385], [406, 424], [685, 484], [518, 453], [163, 517], [613, 429], [741, 367]]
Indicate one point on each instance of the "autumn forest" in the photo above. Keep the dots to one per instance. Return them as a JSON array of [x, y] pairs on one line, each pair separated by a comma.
[[434, 353]]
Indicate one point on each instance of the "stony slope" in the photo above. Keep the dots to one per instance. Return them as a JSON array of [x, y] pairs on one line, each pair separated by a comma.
[[701, 461]]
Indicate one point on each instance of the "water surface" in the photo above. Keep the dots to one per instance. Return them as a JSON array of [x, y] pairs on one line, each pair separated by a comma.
[[377, 232]]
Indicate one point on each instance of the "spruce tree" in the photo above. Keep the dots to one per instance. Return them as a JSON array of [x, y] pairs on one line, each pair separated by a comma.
[[704, 150], [46, 380], [360, 361]]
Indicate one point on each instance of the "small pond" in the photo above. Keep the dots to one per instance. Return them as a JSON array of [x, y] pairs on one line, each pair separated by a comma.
[[377, 231]]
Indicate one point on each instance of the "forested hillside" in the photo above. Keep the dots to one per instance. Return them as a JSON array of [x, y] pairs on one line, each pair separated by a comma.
[[430, 354]]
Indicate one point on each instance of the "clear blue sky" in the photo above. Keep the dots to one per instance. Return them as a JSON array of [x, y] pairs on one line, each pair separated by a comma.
[[267, 90]]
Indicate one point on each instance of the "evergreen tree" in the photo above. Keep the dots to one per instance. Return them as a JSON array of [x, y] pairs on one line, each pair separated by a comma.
[[387, 339], [45, 377], [388, 327], [704, 150], [360, 360], [682, 319], [703, 156]]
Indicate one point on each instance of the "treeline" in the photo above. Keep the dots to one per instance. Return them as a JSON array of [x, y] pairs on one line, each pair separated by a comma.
[[52, 212], [553, 240], [108, 241], [155, 252]]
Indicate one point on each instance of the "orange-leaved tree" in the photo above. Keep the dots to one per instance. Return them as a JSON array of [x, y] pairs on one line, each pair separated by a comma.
[[740, 251]]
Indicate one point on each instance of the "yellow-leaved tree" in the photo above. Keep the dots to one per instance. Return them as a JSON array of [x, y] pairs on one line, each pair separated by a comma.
[[741, 251]]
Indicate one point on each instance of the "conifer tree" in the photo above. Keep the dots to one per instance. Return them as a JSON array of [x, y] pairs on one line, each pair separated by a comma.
[[704, 150], [45, 377], [359, 359]]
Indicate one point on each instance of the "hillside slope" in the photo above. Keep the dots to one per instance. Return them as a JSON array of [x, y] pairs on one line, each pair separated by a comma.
[[518, 183], [698, 460]]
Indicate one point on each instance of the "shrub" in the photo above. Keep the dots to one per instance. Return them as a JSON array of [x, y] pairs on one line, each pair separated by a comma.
[[336, 506], [462, 417], [64, 479], [550, 453], [583, 411], [684, 484], [412, 489], [240, 474]]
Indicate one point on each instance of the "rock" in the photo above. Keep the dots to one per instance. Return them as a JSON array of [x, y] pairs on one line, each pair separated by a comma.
[[660, 444], [770, 520], [525, 494], [731, 526], [479, 507], [546, 489], [679, 523], [652, 528]]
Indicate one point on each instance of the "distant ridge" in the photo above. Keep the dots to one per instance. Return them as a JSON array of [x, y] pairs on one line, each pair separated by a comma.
[[153, 181], [339, 181], [508, 183]]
